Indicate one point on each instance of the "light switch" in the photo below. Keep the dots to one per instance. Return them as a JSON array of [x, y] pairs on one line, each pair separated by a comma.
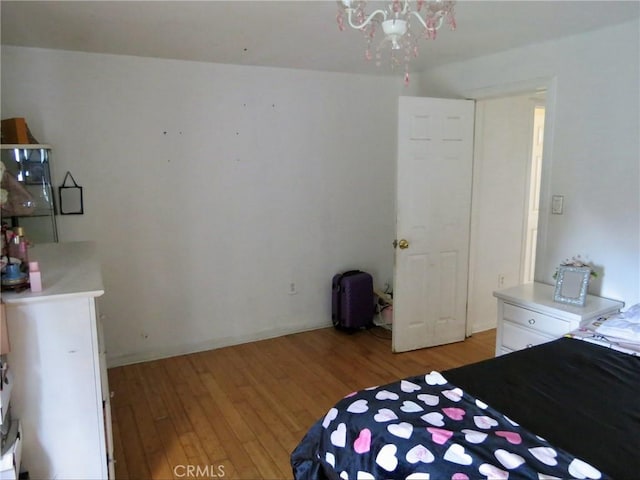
[[557, 204]]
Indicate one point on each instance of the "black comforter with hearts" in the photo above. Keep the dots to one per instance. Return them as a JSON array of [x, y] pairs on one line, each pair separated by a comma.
[[424, 427], [581, 396]]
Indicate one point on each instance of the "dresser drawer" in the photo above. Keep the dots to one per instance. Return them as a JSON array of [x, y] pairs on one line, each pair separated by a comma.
[[537, 321], [515, 337]]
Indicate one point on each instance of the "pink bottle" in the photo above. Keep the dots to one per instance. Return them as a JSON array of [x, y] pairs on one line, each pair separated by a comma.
[[35, 279]]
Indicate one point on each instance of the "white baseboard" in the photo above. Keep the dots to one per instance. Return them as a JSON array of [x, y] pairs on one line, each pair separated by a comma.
[[481, 327], [175, 350]]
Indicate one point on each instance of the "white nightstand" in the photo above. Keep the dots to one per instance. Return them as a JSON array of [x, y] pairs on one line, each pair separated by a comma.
[[528, 316]]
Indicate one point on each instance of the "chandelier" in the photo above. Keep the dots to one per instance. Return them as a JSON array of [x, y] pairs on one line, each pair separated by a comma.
[[396, 22]]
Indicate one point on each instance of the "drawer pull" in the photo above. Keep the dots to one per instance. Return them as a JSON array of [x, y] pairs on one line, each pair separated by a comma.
[[529, 345], [532, 321]]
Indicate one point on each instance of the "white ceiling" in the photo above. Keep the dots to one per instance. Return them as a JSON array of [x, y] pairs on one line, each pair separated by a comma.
[[294, 34]]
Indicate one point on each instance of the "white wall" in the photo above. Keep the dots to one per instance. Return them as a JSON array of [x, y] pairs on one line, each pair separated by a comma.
[[592, 154], [211, 188]]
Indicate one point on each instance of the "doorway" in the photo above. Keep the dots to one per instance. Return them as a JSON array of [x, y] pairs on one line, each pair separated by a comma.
[[533, 206], [509, 136]]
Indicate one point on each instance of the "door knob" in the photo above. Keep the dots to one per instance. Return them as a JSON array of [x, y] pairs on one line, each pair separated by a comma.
[[403, 244]]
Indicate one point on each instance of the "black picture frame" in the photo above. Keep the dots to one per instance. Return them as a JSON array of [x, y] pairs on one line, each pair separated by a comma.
[[71, 201]]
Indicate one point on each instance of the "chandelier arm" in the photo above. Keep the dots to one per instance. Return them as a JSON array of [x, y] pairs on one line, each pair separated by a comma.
[[367, 21], [424, 24]]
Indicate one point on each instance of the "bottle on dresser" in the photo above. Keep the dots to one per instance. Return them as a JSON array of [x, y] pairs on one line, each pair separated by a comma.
[[15, 274], [19, 248]]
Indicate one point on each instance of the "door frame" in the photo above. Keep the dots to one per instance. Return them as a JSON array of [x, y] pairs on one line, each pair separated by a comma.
[[549, 85]]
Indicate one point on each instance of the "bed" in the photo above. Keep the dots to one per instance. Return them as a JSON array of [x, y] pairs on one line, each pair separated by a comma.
[[569, 408]]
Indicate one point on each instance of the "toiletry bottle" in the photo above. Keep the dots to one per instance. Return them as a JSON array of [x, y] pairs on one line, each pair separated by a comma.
[[14, 245], [20, 248]]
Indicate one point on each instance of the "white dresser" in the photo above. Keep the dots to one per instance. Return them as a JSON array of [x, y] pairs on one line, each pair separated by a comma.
[[528, 316], [61, 394]]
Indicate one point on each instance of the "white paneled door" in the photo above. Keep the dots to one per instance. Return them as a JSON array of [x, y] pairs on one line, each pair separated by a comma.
[[434, 173]]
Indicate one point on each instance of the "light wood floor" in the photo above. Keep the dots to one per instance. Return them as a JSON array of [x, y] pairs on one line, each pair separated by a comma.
[[238, 412]]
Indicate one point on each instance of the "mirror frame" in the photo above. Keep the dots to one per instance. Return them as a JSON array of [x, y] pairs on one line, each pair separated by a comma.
[[564, 284]]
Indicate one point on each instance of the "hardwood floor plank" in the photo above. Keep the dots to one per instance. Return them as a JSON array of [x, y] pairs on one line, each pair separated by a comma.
[[286, 437], [239, 411], [228, 409], [153, 373], [174, 454], [118, 447], [222, 365], [266, 467], [134, 455], [278, 448], [212, 447]]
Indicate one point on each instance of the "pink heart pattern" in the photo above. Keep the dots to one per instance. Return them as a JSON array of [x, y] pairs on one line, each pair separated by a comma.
[[512, 437], [363, 442], [424, 427], [454, 413], [439, 435]]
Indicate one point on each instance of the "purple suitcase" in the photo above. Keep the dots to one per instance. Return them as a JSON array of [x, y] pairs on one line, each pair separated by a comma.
[[352, 300]]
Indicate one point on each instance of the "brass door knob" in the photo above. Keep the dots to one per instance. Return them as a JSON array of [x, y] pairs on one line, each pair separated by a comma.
[[403, 244]]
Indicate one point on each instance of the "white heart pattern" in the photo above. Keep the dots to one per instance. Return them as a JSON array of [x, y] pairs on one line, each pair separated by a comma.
[[330, 417], [435, 378], [434, 418], [409, 387], [419, 453], [542, 476], [582, 470], [364, 476], [431, 400], [484, 422], [385, 415], [410, 407], [508, 460], [454, 395], [359, 406], [339, 436], [473, 436], [419, 476], [457, 454], [386, 457], [546, 455], [387, 395], [493, 472], [402, 430], [330, 458]]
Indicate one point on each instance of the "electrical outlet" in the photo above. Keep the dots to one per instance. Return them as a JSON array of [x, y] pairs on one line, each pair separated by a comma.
[[292, 288], [557, 204], [500, 280]]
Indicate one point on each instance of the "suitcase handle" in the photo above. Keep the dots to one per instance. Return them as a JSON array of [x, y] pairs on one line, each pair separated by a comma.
[[345, 274], [350, 272]]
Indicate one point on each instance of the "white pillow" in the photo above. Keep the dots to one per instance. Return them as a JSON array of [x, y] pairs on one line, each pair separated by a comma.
[[623, 325]]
